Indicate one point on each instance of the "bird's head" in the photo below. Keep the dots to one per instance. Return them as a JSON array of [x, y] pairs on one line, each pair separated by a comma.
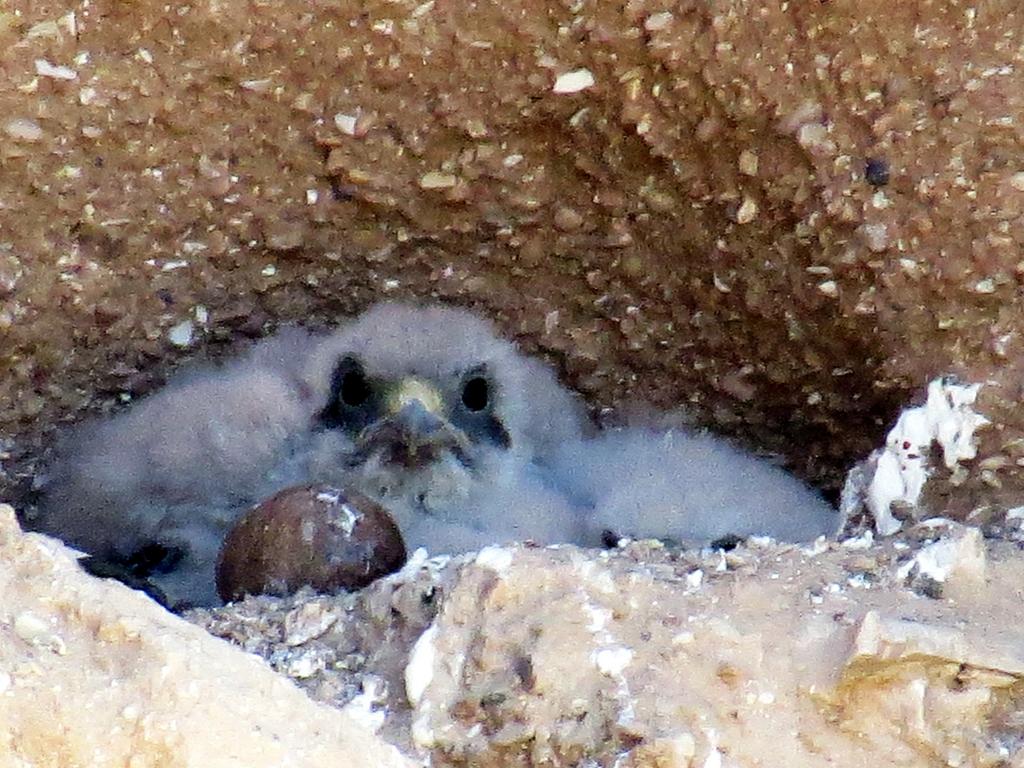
[[423, 401], [409, 423]]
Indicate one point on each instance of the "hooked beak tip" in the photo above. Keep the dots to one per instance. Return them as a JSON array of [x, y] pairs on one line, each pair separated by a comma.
[[411, 392]]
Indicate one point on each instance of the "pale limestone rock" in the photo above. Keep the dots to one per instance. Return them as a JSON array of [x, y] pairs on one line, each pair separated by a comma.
[[884, 640], [527, 657], [956, 560], [787, 652], [935, 687], [94, 674]]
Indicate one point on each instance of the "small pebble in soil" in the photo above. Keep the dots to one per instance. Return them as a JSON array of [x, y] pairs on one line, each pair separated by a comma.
[[876, 171]]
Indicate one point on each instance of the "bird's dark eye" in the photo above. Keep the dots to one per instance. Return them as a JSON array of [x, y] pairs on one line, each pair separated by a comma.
[[476, 394], [355, 390], [479, 415], [353, 403]]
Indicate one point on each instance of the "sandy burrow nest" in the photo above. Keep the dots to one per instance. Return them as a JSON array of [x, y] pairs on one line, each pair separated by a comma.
[[906, 652], [787, 217]]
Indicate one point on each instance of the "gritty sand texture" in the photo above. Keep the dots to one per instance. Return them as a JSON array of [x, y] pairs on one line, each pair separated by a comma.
[[787, 217]]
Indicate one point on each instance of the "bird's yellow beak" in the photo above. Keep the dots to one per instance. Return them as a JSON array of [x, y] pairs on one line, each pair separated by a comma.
[[414, 431], [412, 390]]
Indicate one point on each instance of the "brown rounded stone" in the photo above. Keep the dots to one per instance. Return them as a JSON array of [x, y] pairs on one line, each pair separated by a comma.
[[315, 535]]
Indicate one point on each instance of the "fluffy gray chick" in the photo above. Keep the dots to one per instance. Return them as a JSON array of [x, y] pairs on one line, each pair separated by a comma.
[[151, 492], [685, 485], [429, 411], [424, 408], [466, 442]]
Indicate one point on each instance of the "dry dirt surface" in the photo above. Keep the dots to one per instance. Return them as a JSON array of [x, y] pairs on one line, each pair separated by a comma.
[[907, 653], [904, 654], [786, 217], [95, 674]]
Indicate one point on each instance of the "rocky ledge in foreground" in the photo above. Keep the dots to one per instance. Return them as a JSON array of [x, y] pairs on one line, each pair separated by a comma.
[[907, 653], [95, 674]]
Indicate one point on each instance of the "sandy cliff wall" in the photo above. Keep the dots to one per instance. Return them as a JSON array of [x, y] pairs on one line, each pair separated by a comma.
[[785, 216]]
